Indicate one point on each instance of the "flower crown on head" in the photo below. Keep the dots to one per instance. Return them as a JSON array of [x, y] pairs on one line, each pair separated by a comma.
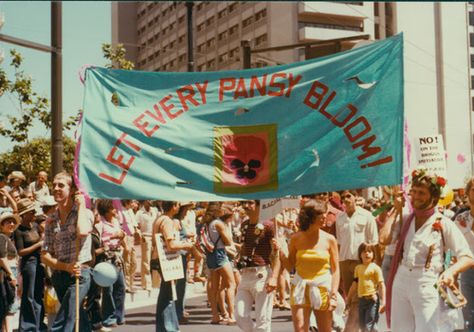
[[422, 175]]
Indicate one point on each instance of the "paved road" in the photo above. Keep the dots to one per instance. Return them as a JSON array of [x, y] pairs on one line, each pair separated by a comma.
[[143, 319]]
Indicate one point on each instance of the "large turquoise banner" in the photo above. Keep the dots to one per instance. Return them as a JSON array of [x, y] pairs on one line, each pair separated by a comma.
[[320, 125]]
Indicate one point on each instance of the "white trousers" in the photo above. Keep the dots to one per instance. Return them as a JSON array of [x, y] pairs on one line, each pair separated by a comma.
[[416, 304], [252, 290]]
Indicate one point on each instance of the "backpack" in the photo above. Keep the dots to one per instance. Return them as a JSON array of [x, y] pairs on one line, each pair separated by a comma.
[[204, 243]]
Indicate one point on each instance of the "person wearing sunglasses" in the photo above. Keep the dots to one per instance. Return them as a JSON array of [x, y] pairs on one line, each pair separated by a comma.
[[353, 227]]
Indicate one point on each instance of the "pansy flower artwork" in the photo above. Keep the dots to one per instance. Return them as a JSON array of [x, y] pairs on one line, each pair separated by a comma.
[[245, 159]]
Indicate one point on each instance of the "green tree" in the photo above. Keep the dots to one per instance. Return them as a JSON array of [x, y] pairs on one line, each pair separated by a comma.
[[28, 108], [28, 105], [35, 156], [116, 56]]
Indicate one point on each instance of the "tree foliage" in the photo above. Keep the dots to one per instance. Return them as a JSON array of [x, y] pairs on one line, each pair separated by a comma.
[[35, 156], [28, 105], [116, 56]]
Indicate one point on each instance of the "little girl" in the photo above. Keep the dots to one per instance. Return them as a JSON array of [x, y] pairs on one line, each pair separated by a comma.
[[368, 281]]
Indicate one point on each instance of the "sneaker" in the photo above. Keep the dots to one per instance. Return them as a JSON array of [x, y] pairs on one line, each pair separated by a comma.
[[103, 329]]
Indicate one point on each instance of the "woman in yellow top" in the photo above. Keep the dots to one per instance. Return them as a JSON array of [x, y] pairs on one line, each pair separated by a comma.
[[314, 255]]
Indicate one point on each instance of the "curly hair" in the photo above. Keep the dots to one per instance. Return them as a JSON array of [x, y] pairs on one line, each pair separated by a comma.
[[213, 212], [309, 212]]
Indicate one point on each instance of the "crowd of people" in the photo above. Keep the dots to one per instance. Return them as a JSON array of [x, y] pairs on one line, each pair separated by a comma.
[[337, 262]]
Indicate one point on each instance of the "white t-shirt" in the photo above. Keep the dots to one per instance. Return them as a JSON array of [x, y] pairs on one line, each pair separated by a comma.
[[146, 219], [352, 231]]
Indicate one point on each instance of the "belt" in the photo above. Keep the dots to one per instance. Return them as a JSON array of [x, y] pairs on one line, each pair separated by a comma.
[[367, 297], [254, 268]]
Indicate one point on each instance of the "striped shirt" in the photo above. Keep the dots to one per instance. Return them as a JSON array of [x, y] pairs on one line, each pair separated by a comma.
[[263, 249]]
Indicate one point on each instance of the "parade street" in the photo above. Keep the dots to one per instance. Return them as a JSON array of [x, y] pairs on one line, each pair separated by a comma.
[[143, 319]]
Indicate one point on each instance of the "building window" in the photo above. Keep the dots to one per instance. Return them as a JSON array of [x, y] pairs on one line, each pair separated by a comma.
[[181, 19], [261, 14], [211, 64], [233, 29], [181, 39], [247, 22], [211, 42], [201, 67], [201, 47], [259, 64], [210, 21], [355, 3], [232, 7], [199, 6], [222, 35], [224, 57], [261, 39], [330, 26], [201, 26], [471, 39], [234, 54], [222, 13], [471, 18], [182, 58]]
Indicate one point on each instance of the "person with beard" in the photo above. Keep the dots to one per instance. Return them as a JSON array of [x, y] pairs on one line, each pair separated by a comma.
[[425, 237]]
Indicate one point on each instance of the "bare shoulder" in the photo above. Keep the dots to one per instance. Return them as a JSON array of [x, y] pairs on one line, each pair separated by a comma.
[[328, 237]]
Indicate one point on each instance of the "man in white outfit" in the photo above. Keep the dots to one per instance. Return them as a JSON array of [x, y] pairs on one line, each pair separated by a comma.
[[353, 227], [418, 264]]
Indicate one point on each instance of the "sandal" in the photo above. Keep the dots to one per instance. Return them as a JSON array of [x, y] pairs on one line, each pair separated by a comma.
[[285, 306]]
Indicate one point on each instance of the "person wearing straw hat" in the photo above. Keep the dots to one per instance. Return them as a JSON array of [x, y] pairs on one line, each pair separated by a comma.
[[67, 250], [15, 180], [8, 269], [418, 266], [28, 244]]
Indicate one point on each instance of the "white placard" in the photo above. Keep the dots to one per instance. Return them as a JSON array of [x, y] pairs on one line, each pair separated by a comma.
[[430, 154], [171, 263], [269, 208]]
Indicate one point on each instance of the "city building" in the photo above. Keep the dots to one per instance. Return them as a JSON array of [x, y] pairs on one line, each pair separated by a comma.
[[155, 33]]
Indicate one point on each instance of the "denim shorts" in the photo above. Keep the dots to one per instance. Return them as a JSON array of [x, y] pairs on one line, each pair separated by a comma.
[[217, 259]]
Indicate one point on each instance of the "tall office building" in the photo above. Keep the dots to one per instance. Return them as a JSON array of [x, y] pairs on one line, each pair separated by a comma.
[[155, 33]]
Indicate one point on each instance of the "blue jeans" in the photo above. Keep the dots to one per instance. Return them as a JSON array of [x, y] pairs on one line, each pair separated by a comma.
[[467, 288], [113, 301], [93, 305], [13, 308], [181, 292], [32, 308], [65, 286], [368, 314], [166, 318]]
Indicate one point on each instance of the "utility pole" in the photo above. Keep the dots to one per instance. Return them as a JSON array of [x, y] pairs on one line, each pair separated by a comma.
[[56, 81], [57, 146], [189, 11]]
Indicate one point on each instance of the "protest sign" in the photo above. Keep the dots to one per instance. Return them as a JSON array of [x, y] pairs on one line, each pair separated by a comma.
[[430, 154], [171, 264], [269, 208], [320, 125]]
